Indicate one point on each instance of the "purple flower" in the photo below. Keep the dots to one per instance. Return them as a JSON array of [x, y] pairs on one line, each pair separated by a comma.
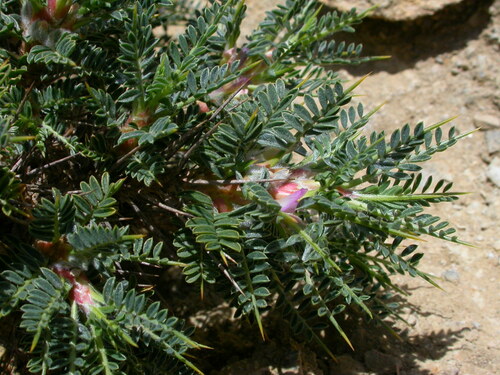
[[288, 196]]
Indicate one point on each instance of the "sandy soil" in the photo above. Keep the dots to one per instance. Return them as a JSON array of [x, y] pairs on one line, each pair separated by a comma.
[[442, 66]]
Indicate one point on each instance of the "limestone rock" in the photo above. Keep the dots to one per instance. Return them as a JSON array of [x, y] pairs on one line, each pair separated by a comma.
[[394, 10], [493, 171], [486, 121], [493, 141]]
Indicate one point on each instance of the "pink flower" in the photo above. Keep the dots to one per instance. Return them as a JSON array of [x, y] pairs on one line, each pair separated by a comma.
[[289, 193], [202, 106], [288, 196], [81, 294], [81, 291]]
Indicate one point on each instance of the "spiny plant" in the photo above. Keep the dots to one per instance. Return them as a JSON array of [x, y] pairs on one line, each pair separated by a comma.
[[126, 150]]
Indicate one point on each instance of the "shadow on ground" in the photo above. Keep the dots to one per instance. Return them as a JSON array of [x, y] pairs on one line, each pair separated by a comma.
[[407, 42], [239, 349]]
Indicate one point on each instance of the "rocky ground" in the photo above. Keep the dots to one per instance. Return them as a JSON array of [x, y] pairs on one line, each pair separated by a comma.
[[445, 63]]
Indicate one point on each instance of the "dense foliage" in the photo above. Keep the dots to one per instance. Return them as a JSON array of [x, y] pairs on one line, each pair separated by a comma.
[[125, 149]]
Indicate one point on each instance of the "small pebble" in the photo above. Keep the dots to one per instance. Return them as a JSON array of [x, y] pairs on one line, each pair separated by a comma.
[[412, 320], [485, 225], [451, 275], [493, 171], [486, 121], [493, 141], [453, 371]]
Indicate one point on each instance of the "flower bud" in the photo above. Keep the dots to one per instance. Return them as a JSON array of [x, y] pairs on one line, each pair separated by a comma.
[[58, 9], [141, 119], [202, 106], [82, 294], [44, 23], [56, 251], [54, 12], [81, 291]]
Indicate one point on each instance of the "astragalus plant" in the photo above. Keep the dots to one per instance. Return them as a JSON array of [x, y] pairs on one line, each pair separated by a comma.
[[125, 150]]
